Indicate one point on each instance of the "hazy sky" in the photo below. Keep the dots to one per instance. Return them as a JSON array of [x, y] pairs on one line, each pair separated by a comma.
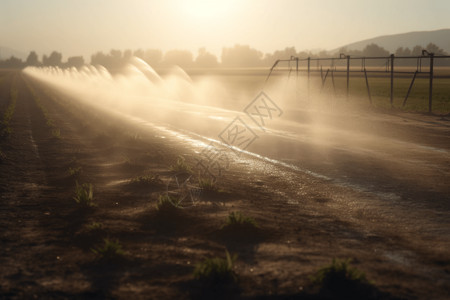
[[76, 27]]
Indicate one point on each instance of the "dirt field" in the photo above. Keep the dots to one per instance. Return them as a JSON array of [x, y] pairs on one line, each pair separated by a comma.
[[304, 221]]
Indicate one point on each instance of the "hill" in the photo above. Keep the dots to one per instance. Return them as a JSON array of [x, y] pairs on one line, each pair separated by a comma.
[[410, 39]]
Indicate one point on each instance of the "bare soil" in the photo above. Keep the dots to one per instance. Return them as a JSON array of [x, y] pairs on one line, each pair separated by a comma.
[[46, 242]]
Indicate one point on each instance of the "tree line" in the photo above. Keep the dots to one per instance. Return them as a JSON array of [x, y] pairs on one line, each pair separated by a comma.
[[236, 56]]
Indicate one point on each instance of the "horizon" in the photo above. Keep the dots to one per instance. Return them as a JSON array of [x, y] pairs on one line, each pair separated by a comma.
[[84, 28], [87, 57]]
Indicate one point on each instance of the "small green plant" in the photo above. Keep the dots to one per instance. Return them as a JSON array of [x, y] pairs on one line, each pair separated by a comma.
[[216, 270], [238, 220], [126, 159], [181, 166], [74, 172], [207, 185], [340, 278], [95, 226], [84, 195], [56, 133], [11, 107], [49, 121], [111, 249], [5, 129], [146, 180], [167, 204]]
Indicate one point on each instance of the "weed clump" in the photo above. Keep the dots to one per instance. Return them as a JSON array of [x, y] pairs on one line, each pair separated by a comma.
[[236, 220], [74, 172], [146, 180], [56, 133], [207, 185], [84, 195], [341, 280], [216, 270], [95, 226], [110, 250], [168, 205], [181, 166]]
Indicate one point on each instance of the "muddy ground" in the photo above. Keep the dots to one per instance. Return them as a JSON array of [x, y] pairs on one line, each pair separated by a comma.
[[304, 221]]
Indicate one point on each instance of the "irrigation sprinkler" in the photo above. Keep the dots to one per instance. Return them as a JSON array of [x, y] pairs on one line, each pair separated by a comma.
[[387, 70], [430, 90]]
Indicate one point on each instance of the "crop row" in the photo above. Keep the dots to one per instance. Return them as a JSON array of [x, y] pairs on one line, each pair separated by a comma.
[[5, 126], [5, 129], [214, 274], [219, 274], [56, 132]]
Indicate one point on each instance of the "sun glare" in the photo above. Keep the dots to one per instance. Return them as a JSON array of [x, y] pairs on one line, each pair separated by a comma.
[[203, 9]]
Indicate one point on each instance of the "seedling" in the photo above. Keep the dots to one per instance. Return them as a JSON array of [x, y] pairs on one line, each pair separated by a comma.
[[181, 166], [95, 226], [56, 133], [239, 221], [111, 249], [340, 278], [216, 270], [74, 172], [146, 180], [167, 204], [207, 185], [84, 195]]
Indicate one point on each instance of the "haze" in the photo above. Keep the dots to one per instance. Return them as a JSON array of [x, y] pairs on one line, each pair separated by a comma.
[[84, 27]]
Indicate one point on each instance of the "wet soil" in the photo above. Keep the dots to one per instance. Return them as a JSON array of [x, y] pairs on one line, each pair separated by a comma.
[[304, 221]]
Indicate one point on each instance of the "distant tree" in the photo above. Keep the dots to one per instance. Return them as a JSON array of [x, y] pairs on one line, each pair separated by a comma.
[[241, 56], [432, 48], [206, 59], [53, 60], [324, 53], [75, 61], [112, 61], [374, 50], [127, 54], [115, 59], [346, 51], [99, 58], [343, 50], [12, 62], [115, 54], [153, 57], [289, 51], [403, 51], [32, 59], [182, 58], [139, 53], [270, 59], [416, 51], [304, 54]]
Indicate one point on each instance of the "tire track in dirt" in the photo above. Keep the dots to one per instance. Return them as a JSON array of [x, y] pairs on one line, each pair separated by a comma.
[[23, 179]]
